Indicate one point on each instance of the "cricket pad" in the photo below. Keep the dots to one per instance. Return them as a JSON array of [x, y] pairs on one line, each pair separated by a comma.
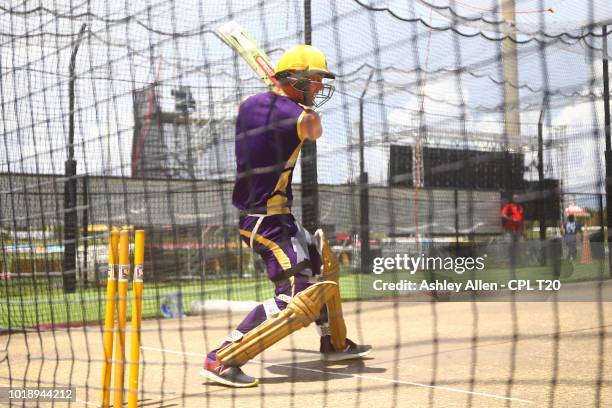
[[303, 309], [331, 272], [331, 266]]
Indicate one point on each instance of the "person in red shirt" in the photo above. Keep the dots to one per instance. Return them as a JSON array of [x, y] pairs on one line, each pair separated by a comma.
[[512, 216], [513, 223]]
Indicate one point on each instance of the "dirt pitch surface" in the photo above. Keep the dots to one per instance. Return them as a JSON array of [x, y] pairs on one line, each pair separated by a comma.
[[474, 361]]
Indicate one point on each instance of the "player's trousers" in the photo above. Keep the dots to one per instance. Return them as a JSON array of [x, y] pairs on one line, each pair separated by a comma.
[[292, 262]]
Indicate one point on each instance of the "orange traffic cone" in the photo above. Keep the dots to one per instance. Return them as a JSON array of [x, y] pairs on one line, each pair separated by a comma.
[[586, 257]]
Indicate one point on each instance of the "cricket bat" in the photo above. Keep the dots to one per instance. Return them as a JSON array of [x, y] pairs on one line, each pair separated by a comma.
[[236, 37]]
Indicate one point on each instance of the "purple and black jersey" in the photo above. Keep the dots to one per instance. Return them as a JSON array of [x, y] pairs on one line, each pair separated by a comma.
[[267, 146]]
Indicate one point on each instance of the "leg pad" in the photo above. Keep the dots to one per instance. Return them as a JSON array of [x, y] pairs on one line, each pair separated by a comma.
[[303, 309], [331, 272]]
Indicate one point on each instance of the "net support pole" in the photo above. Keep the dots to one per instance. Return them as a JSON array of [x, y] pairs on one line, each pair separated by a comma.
[[606, 95], [364, 193], [70, 184], [310, 188], [543, 195], [364, 222], [70, 226], [456, 215], [512, 118], [85, 227], [608, 202]]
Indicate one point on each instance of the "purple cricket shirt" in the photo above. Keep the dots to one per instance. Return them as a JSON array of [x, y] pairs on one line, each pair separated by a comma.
[[267, 146]]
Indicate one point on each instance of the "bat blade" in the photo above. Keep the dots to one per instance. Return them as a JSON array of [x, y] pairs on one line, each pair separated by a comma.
[[239, 39]]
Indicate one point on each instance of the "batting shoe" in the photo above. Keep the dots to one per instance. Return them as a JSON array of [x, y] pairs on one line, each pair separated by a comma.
[[229, 376], [352, 350]]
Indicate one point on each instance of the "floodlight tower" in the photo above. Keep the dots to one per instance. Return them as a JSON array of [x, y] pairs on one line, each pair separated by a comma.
[[512, 113]]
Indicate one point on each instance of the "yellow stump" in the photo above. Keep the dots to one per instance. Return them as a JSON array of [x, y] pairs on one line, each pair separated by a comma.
[[122, 289], [136, 318], [109, 321]]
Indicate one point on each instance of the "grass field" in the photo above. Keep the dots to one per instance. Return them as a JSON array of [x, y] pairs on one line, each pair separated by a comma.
[[30, 304]]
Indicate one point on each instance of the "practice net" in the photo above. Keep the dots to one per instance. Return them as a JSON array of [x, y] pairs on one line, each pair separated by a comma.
[[123, 115]]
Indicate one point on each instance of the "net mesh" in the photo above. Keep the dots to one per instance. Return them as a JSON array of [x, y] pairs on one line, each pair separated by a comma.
[[124, 114]]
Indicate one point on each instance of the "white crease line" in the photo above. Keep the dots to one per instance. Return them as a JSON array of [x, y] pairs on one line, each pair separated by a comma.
[[365, 377]]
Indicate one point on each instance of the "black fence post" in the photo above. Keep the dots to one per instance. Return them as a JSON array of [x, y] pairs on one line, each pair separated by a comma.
[[70, 184]]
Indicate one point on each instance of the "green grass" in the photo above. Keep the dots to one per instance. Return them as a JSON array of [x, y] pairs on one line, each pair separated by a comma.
[[26, 304]]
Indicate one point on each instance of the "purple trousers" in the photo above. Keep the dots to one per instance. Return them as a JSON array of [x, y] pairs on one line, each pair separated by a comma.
[[292, 264]]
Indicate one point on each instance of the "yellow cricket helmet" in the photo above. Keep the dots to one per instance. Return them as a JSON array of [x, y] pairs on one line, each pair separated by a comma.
[[305, 59]]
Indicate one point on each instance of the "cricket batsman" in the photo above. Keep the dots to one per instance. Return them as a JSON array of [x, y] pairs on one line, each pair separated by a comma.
[[270, 130]]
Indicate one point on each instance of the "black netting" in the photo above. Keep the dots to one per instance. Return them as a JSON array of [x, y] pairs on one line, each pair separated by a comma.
[[125, 114]]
